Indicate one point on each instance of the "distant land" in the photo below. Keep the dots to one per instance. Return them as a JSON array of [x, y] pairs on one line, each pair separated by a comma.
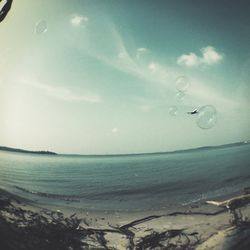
[[2, 148], [167, 152], [18, 150]]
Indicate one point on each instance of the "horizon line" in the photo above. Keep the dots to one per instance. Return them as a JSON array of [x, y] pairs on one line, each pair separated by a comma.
[[47, 152]]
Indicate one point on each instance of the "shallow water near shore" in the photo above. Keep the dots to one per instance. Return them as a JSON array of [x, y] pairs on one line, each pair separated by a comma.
[[127, 183]]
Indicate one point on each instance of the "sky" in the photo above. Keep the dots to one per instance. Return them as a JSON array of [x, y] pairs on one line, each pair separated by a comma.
[[101, 77]]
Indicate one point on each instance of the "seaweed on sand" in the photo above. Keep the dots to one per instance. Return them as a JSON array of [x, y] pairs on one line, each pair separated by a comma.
[[49, 230], [29, 230]]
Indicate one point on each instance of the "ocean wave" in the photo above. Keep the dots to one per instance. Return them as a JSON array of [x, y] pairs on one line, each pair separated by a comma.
[[168, 189], [49, 195], [237, 178], [114, 193]]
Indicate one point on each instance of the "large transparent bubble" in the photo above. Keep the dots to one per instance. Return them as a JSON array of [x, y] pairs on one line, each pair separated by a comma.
[[207, 117], [41, 27], [182, 83], [173, 110]]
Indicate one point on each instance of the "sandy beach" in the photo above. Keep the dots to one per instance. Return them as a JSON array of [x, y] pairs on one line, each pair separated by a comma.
[[200, 226]]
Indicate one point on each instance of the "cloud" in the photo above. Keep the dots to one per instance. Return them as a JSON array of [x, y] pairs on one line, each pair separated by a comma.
[[209, 57], [114, 130], [189, 60], [61, 93], [152, 67], [140, 52], [78, 20]]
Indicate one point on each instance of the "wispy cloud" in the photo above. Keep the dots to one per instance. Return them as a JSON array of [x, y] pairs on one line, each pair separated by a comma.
[[140, 52], [163, 77], [201, 93], [61, 93], [141, 65], [209, 56], [152, 67]]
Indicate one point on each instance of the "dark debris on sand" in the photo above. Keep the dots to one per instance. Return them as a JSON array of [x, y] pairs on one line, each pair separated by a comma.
[[22, 229]]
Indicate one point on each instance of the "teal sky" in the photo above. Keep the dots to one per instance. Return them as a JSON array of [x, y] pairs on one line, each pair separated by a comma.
[[98, 77]]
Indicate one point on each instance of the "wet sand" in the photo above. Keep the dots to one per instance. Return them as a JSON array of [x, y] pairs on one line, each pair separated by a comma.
[[205, 226]]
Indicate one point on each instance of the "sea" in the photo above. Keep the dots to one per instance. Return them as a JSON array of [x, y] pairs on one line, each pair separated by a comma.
[[127, 182]]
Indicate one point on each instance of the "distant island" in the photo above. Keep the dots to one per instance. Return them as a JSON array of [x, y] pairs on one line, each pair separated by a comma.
[[18, 150], [235, 144]]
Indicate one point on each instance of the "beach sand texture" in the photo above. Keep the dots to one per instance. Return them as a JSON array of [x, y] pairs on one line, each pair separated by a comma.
[[26, 225]]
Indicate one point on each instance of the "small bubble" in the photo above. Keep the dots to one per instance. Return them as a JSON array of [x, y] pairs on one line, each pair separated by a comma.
[[182, 83], [41, 27], [173, 110], [180, 96], [207, 117]]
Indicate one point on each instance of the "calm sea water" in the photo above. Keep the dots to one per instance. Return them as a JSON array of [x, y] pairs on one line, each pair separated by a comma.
[[127, 182]]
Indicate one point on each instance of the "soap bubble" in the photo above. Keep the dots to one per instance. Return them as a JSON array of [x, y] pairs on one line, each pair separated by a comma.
[[182, 83], [41, 27], [173, 110], [179, 96], [206, 117]]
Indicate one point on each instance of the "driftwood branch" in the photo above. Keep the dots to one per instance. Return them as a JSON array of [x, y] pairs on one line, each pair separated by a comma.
[[232, 205]]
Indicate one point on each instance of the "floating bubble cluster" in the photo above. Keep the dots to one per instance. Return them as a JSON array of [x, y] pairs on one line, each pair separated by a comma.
[[182, 83], [207, 117], [173, 110], [41, 27]]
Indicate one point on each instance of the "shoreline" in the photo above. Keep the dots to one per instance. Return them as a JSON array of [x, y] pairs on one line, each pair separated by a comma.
[[202, 220], [116, 215], [72, 202]]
